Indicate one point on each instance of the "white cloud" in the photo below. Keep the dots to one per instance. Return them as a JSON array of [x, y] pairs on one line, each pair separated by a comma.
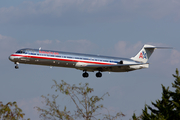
[[61, 6], [50, 8], [57, 11], [123, 49], [120, 46], [156, 9]]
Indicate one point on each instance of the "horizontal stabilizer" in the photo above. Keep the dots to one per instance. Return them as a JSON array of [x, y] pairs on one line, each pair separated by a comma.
[[159, 47]]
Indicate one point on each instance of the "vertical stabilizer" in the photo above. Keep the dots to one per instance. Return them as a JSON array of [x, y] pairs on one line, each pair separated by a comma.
[[144, 53]]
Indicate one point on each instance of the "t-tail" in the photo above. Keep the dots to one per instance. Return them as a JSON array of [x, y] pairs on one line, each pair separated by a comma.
[[146, 52]]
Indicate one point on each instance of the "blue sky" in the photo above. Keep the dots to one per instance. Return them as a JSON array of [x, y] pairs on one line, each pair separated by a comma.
[[107, 27]]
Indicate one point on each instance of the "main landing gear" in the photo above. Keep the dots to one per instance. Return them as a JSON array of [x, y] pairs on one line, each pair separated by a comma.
[[85, 74], [98, 74], [16, 67]]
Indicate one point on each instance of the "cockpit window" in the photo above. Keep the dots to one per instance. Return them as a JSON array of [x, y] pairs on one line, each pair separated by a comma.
[[20, 51]]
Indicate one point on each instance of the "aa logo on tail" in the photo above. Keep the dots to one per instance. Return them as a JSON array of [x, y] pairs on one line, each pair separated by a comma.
[[143, 55]]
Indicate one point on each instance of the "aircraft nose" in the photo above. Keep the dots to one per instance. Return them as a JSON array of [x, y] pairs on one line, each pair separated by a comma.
[[11, 58]]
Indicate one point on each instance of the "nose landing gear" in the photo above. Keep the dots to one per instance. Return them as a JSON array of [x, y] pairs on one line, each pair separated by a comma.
[[16, 67]]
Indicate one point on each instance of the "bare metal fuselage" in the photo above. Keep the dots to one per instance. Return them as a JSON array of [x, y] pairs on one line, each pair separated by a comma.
[[84, 62], [71, 60]]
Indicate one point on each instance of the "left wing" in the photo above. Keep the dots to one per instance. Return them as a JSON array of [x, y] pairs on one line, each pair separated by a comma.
[[114, 68]]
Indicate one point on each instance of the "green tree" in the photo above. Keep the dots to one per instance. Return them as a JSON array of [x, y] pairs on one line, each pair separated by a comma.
[[86, 106], [10, 111], [168, 108]]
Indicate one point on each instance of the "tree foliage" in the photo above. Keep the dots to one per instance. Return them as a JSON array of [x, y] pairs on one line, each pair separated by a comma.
[[168, 108], [86, 105], [10, 111]]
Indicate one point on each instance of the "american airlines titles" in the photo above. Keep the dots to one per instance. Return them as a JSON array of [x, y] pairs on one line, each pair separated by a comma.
[[45, 52]]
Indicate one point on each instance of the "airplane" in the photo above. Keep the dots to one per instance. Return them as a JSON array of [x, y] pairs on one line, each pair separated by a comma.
[[85, 62]]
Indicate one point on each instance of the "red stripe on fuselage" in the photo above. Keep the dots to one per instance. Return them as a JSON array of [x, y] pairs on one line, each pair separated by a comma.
[[61, 59]]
